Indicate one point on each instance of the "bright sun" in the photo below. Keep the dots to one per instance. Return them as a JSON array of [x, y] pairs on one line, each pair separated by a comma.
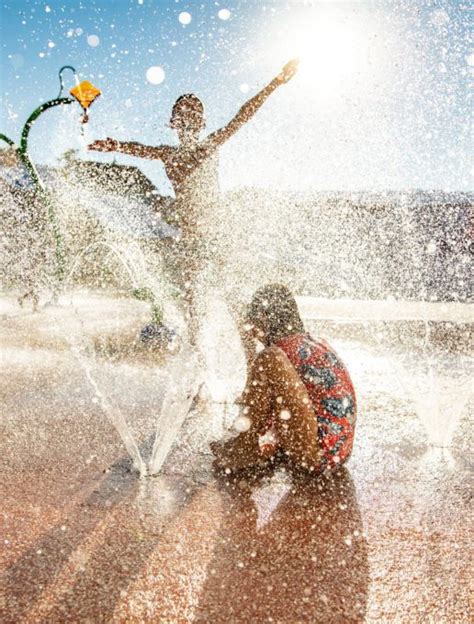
[[329, 50]]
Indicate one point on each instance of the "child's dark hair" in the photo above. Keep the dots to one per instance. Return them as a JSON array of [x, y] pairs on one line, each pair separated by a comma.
[[273, 309], [185, 105]]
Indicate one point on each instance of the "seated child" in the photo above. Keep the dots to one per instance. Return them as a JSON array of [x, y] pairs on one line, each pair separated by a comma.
[[299, 400]]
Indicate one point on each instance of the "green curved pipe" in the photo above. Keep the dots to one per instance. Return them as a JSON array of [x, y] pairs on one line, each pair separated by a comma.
[[22, 152], [34, 116], [3, 137], [23, 149]]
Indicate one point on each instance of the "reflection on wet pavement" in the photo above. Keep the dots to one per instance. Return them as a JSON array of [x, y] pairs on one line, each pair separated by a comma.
[[83, 540]]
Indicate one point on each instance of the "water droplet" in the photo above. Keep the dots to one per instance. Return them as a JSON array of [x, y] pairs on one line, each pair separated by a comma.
[[242, 423], [155, 75], [431, 247], [224, 14], [93, 41], [439, 17], [185, 18]]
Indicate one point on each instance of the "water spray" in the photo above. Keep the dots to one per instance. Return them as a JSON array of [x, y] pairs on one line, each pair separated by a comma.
[[84, 93]]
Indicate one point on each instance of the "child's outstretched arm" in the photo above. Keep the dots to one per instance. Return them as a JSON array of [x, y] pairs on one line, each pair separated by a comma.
[[249, 109], [130, 147]]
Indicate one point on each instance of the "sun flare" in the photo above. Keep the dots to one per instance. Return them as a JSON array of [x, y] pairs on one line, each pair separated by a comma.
[[329, 50]]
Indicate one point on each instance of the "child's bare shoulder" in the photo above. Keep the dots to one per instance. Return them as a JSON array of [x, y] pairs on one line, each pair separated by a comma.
[[271, 356]]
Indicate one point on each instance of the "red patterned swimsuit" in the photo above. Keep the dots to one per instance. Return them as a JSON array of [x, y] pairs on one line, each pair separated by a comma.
[[331, 392]]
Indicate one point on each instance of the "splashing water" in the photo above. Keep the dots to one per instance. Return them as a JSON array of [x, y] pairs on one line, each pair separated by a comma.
[[130, 270], [113, 413], [221, 349], [334, 260], [439, 386], [184, 381]]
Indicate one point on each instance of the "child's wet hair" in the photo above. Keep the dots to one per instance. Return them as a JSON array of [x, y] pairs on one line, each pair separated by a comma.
[[188, 107], [273, 309]]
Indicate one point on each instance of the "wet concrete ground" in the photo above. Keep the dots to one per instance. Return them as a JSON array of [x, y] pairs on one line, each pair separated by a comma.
[[83, 540]]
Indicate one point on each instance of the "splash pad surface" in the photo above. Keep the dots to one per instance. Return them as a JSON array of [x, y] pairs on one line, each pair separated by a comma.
[[84, 539]]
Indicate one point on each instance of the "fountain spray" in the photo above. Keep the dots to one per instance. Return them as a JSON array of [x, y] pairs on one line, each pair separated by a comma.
[[84, 93]]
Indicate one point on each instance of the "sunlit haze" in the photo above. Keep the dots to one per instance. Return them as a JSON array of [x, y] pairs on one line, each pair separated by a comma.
[[380, 101]]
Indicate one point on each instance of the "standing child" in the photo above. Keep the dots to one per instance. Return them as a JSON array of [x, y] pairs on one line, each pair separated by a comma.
[[192, 168]]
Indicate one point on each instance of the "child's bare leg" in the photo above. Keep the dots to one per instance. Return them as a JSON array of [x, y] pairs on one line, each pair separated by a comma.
[[243, 450], [275, 392], [192, 314], [295, 420], [189, 275]]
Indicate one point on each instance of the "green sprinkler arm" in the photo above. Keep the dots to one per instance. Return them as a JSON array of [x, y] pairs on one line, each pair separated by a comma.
[[3, 137], [22, 151]]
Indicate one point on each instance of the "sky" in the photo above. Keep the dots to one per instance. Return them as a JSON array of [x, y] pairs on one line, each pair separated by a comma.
[[381, 100]]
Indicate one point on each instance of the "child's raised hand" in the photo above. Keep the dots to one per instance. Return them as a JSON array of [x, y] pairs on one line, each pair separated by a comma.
[[288, 71]]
